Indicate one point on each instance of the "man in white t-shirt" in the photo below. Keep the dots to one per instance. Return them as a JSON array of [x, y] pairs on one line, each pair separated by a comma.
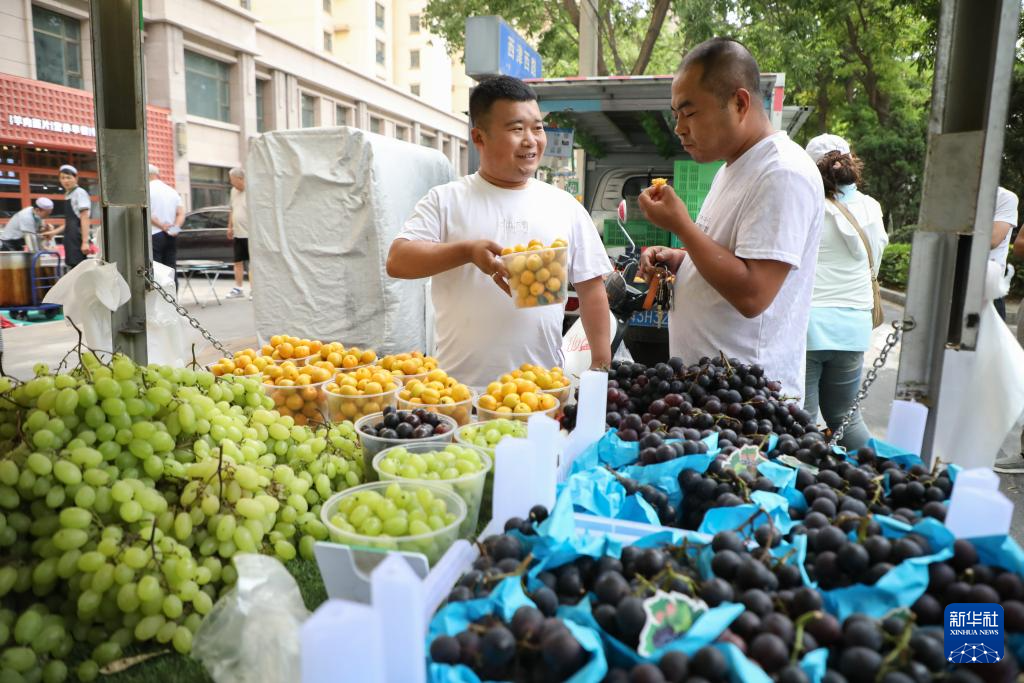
[[166, 214], [1003, 223], [458, 230], [238, 230], [743, 284]]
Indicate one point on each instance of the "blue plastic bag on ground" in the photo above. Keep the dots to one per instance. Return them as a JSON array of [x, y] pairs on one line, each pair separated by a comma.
[[507, 597]]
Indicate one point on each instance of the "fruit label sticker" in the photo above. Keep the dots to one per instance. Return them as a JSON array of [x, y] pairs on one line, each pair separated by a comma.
[[669, 615], [797, 464], [973, 633], [745, 458]]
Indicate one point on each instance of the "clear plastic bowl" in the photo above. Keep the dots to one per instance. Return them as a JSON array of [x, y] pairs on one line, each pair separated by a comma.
[[433, 544], [299, 362], [461, 438], [372, 445], [460, 411], [469, 487], [483, 414], [210, 366], [561, 393], [342, 407], [538, 278], [305, 403]]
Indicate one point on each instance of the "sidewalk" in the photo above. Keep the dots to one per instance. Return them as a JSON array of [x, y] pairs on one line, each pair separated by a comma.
[[231, 323], [900, 299]]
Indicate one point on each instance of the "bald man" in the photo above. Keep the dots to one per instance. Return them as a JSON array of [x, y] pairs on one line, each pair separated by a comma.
[[743, 284]]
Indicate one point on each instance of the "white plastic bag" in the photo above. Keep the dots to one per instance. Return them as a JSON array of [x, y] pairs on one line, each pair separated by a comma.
[[89, 293], [169, 337], [252, 633]]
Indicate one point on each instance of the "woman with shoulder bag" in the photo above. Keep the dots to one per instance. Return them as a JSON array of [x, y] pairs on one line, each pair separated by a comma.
[[845, 305]]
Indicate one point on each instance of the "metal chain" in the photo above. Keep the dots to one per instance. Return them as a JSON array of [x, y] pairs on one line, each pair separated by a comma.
[[182, 311], [898, 328]]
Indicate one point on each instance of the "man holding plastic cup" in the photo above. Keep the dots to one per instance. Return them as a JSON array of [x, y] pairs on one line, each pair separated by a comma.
[[743, 285], [458, 231]]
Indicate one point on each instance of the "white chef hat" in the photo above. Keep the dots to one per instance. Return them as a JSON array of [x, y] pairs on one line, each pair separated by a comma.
[[823, 144], [68, 168], [44, 203]]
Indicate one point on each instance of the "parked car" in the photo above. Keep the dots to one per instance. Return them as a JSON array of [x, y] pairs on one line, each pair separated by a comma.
[[204, 236]]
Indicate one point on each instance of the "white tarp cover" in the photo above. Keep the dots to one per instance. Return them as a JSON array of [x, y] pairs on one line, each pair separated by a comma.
[[324, 206]]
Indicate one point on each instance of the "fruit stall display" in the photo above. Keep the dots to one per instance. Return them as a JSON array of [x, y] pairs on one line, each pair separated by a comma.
[[126, 490]]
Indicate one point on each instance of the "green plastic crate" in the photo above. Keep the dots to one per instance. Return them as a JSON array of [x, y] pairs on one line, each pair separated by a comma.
[[644, 234], [692, 181]]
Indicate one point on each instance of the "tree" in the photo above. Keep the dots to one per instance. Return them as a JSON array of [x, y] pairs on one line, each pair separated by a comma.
[[635, 36], [864, 66]]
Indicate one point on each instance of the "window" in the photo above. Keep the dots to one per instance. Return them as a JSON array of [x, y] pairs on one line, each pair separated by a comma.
[[340, 115], [58, 48], [207, 87], [402, 132], [308, 111], [380, 52], [414, 59], [210, 185], [414, 23], [261, 101], [379, 15], [328, 42], [376, 125], [415, 89], [246, 4], [428, 140], [328, 6]]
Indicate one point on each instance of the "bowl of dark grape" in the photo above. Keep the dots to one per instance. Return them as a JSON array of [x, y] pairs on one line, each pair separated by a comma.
[[394, 427]]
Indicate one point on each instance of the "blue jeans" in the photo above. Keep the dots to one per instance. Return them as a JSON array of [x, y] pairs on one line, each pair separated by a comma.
[[831, 383]]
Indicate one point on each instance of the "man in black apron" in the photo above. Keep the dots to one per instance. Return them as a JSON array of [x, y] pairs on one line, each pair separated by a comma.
[[76, 217]]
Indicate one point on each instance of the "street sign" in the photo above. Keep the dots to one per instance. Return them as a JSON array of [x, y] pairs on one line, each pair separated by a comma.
[[559, 142], [493, 48]]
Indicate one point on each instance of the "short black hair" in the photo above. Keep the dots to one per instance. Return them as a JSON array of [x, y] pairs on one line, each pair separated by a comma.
[[491, 90], [728, 66]]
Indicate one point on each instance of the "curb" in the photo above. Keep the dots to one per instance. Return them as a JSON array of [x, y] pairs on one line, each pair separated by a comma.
[[893, 296], [899, 298]]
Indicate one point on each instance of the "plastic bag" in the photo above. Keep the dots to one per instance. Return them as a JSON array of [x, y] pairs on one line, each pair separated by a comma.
[[252, 633]]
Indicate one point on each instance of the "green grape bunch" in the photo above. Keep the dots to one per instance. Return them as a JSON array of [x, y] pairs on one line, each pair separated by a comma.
[[126, 490]]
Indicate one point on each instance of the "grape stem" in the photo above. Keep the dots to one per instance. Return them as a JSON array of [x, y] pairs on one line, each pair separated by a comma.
[[902, 647], [798, 639]]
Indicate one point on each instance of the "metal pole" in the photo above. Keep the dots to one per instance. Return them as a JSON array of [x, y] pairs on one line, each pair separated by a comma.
[[588, 38], [949, 259], [116, 31]]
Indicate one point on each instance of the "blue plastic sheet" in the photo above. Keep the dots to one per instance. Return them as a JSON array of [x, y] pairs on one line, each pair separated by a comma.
[[897, 455], [558, 543], [1000, 551], [507, 597], [665, 475], [784, 478], [704, 631], [903, 584], [765, 504], [612, 451], [742, 669], [815, 664]]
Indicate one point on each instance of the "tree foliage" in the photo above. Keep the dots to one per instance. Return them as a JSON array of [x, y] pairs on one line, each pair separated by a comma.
[[865, 65]]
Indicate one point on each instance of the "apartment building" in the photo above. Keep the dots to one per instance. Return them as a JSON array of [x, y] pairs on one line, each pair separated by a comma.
[[387, 39], [216, 76]]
